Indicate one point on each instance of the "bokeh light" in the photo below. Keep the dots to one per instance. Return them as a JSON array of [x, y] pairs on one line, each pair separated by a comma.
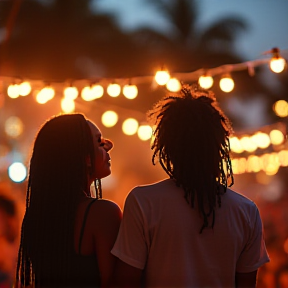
[[71, 93], [206, 81], [276, 137], [17, 172], [277, 64], [24, 88], [67, 105], [226, 84], [109, 118], [144, 132], [130, 126], [173, 85], [114, 90], [281, 108], [45, 94], [13, 126], [130, 91], [162, 77]]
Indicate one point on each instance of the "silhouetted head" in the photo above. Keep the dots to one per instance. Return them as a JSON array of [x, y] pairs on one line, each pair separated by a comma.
[[192, 145], [68, 153]]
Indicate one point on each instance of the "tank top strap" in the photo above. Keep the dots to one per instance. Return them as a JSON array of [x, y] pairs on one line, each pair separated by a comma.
[[83, 224]]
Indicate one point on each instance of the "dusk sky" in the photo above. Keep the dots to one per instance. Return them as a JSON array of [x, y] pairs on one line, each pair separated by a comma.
[[267, 20]]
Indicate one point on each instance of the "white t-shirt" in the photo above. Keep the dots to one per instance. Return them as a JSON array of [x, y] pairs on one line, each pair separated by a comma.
[[160, 233]]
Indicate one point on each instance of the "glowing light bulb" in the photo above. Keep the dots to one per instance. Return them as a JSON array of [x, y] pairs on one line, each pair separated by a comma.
[[280, 108], [283, 158], [226, 84], [44, 95], [17, 172], [173, 85], [262, 140], [145, 132], [235, 145], [130, 91], [248, 144], [13, 91], [130, 126], [206, 81], [276, 137], [109, 118], [162, 77], [67, 105], [86, 94], [97, 91], [71, 92], [277, 64], [24, 88], [113, 90]]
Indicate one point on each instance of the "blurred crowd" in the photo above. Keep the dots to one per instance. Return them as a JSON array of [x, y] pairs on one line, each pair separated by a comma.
[[11, 213]]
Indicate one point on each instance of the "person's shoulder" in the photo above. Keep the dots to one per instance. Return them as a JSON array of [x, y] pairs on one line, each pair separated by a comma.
[[106, 207], [152, 192], [239, 199], [151, 187]]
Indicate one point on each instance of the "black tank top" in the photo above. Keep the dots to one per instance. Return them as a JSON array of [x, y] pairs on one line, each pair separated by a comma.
[[84, 269], [86, 272]]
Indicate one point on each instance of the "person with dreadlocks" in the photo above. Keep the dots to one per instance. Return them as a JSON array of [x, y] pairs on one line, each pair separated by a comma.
[[189, 230], [67, 234]]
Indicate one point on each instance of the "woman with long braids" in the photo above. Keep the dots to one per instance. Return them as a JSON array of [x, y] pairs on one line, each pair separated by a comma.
[[189, 230], [67, 232]]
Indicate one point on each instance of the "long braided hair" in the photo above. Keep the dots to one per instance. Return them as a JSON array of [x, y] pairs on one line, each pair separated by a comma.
[[192, 145], [58, 177]]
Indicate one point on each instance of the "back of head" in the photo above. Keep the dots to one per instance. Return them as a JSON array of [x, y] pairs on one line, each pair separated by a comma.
[[192, 145], [57, 180]]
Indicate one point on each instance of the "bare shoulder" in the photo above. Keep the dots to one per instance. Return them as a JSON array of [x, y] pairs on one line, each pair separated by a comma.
[[104, 209]]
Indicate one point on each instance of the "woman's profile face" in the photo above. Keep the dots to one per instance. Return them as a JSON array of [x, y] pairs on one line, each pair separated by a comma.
[[101, 148]]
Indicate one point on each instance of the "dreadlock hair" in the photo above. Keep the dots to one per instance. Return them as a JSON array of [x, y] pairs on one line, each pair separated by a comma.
[[192, 145], [58, 177]]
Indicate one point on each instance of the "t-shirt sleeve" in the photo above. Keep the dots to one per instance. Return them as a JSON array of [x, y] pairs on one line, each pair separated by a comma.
[[131, 245], [254, 253]]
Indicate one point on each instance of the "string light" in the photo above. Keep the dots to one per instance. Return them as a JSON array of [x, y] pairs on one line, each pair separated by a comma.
[[67, 105], [45, 94], [173, 85], [162, 77], [109, 118], [114, 90], [71, 92], [277, 63], [13, 91], [280, 108], [276, 137], [130, 91], [144, 132], [97, 91], [206, 81], [24, 88], [226, 83], [130, 126], [90, 93]]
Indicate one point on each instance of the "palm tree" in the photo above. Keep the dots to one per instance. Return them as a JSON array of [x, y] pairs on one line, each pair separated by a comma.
[[186, 48], [62, 39]]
